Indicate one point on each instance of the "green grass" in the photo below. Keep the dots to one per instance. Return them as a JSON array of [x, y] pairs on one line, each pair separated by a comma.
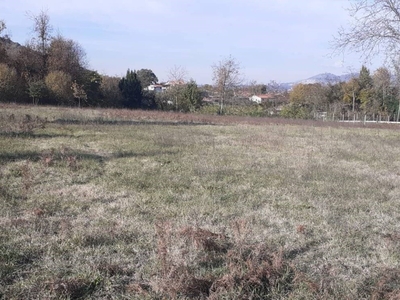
[[108, 204]]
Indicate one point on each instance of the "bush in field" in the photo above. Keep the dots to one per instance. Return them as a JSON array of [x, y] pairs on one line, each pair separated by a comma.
[[295, 111]]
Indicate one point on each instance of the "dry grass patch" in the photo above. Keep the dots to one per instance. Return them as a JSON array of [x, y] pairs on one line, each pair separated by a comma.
[[145, 205]]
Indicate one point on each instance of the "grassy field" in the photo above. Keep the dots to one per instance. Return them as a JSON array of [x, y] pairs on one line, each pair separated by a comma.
[[108, 204]]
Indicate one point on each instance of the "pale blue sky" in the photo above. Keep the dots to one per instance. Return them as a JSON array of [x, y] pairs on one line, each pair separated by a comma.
[[282, 40]]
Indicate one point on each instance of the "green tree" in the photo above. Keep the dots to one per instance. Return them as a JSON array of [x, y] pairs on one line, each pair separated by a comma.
[[295, 111], [334, 96], [37, 90], [365, 80], [366, 89], [91, 82], [191, 96], [146, 77], [382, 89], [131, 90]]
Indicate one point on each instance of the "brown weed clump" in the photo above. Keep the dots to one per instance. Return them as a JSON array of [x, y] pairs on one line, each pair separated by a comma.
[[73, 288], [209, 266], [254, 272], [386, 286], [21, 125]]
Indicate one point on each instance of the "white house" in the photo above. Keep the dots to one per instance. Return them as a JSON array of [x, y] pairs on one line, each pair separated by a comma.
[[261, 98], [163, 86], [155, 87]]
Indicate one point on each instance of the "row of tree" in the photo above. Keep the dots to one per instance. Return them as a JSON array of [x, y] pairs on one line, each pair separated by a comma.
[[374, 96], [51, 69]]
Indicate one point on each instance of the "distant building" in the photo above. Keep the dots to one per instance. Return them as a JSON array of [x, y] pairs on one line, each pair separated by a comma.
[[163, 86], [155, 87], [262, 98]]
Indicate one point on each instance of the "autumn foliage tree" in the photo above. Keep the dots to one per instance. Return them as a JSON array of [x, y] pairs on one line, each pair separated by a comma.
[[9, 83], [59, 85], [67, 56], [78, 92], [110, 91]]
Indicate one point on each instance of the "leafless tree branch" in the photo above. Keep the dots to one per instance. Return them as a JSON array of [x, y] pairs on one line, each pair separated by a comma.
[[375, 29]]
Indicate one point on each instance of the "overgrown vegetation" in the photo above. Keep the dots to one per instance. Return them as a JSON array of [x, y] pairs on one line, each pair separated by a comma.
[[155, 205]]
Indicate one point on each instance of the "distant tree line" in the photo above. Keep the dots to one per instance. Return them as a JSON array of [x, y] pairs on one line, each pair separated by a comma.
[[375, 97], [53, 70]]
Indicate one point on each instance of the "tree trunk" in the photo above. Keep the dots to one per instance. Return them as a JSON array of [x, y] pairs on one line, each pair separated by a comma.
[[398, 112], [221, 108]]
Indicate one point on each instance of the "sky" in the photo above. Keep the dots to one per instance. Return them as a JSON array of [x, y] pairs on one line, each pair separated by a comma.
[[281, 40]]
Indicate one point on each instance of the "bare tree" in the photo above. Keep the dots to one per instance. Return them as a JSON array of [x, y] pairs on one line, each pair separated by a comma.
[[375, 28], [396, 71], [177, 74], [252, 87], [274, 87], [3, 52], [2, 27], [42, 30], [226, 77], [176, 77]]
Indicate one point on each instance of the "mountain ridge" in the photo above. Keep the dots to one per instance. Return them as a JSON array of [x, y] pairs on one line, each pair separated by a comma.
[[322, 78]]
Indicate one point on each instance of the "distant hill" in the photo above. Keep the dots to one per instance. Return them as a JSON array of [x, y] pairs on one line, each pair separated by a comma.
[[323, 78]]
